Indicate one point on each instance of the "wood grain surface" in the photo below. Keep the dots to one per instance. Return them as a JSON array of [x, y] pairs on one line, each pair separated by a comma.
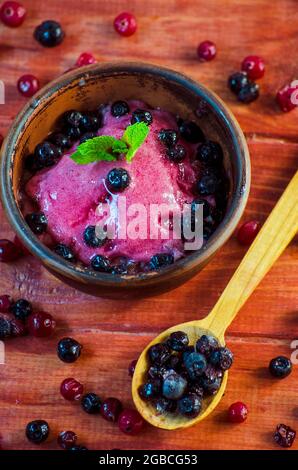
[[114, 332]]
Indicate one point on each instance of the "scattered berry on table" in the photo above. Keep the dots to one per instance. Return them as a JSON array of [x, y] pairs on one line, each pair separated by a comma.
[[118, 179], [190, 405], [237, 81], [174, 386], [178, 341], [131, 367], [90, 237], [159, 354], [71, 389], [21, 309], [254, 66], [287, 98], [69, 350], [41, 324], [168, 137], [91, 403], [237, 412], [5, 303], [9, 251], [86, 58], [12, 14], [37, 431], [210, 153], [191, 132], [130, 422], [119, 108], [37, 221], [28, 85], [176, 154], [111, 409], [101, 264], [67, 439], [46, 154], [49, 33], [280, 367], [65, 252], [248, 232], [5, 327], [249, 93], [284, 435], [206, 51], [161, 260], [125, 24]]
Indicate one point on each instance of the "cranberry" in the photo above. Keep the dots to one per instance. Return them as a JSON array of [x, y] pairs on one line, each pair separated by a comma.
[[206, 51], [287, 97], [8, 251], [237, 412], [248, 232], [132, 366], [18, 327], [284, 435], [67, 439], [254, 66], [12, 14], [28, 85], [125, 24], [71, 389], [130, 422], [5, 303], [86, 58], [41, 324], [111, 409]]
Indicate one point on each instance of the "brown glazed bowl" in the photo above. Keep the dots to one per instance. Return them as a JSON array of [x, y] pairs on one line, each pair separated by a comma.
[[87, 87]]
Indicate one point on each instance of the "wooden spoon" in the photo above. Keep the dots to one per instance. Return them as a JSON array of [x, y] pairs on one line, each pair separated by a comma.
[[278, 230]]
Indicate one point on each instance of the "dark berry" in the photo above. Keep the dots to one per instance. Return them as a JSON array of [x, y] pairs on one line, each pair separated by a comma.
[[190, 405], [71, 389], [111, 409], [176, 154], [125, 24], [248, 232], [249, 93], [28, 85], [161, 260], [286, 97], [61, 141], [237, 81], [188, 350], [210, 153], [159, 353], [12, 14], [101, 264], [157, 372], [49, 33], [18, 328], [78, 448], [86, 58], [131, 368], [150, 389], [237, 412], [91, 403], [68, 350], [37, 222], [208, 184], [46, 154], [21, 309], [37, 431], [130, 422], [87, 136], [222, 358], [191, 132], [5, 328], [168, 137], [119, 108], [5, 303], [175, 361], [196, 389], [206, 344], [41, 324], [90, 123], [254, 66], [164, 405], [91, 238], [65, 252], [118, 179], [178, 341], [9, 251], [141, 115], [67, 439], [73, 133], [210, 381], [284, 435], [280, 367], [206, 51], [174, 386], [195, 364], [72, 118]]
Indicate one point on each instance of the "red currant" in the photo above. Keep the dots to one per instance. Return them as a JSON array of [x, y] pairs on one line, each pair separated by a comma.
[[237, 412], [12, 14], [131, 368], [71, 389], [41, 324], [254, 66], [287, 97], [206, 51], [9, 251], [5, 303], [130, 422], [67, 439], [125, 24], [28, 85], [86, 58], [248, 232]]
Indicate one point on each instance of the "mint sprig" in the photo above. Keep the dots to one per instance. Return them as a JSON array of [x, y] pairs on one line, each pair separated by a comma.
[[107, 148]]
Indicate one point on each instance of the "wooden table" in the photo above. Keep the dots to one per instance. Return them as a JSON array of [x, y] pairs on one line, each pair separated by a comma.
[[113, 332]]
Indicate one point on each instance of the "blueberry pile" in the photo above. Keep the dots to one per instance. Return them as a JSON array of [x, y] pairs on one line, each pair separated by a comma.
[[180, 376], [246, 90]]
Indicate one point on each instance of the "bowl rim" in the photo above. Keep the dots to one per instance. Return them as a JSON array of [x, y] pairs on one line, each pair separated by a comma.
[[76, 272]]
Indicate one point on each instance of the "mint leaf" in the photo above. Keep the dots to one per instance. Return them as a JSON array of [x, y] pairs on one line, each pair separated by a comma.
[[134, 136], [96, 149], [119, 146]]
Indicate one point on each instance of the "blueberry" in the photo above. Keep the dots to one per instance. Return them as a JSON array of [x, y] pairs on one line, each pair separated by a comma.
[[46, 154], [222, 358], [237, 81], [164, 405], [5, 328], [161, 260], [206, 344], [249, 93], [280, 367], [150, 389], [73, 133], [119, 108], [72, 118], [208, 184], [37, 431], [188, 350], [168, 137], [87, 136], [91, 403], [118, 179], [284, 435], [210, 153], [196, 389], [21, 309], [159, 354], [61, 141], [210, 381], [190, 405], [90, 237], [89, 123], [49, 33], [173, 386], [191, 132], [37, 221], [65, 252], [175, 361], [156, 372], [176, 154], [141, 115], [101, 263], [68, 350], [178, 341], [195, 365]]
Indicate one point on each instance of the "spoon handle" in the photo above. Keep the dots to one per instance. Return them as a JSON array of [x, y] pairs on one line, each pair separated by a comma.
[[277, 232]]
